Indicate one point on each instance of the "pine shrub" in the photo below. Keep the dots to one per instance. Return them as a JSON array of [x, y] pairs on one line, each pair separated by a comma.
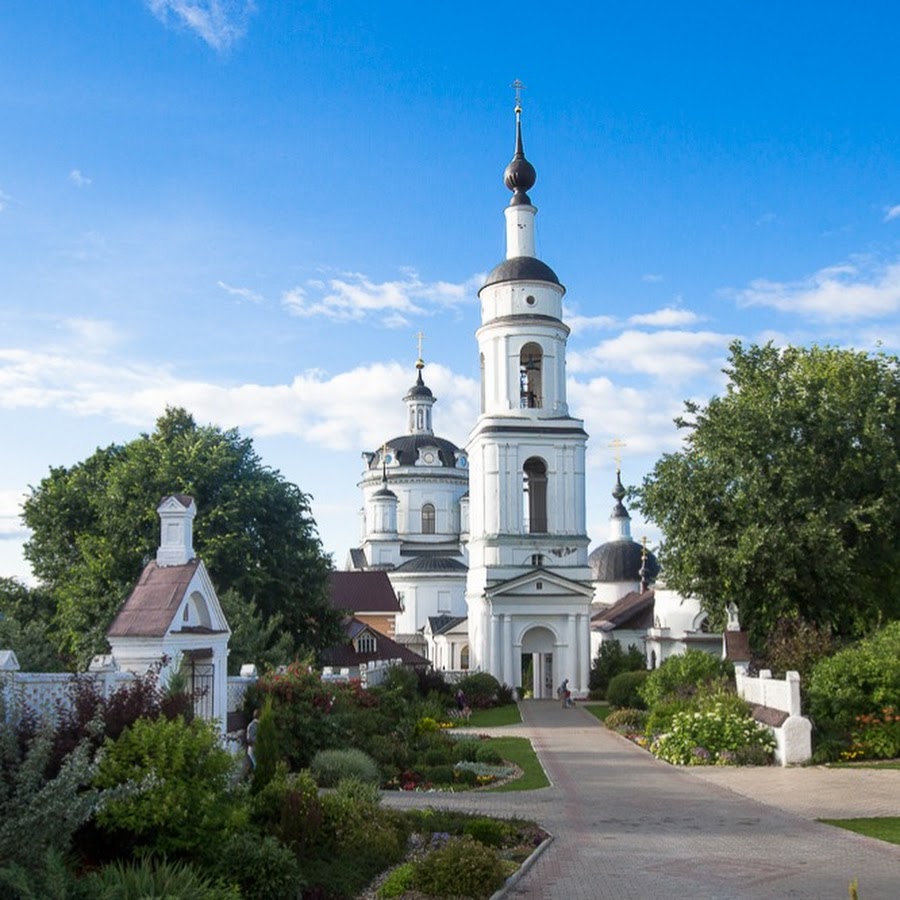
[[329, 767]]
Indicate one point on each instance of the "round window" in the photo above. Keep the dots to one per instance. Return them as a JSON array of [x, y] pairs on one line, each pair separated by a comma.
[[530, 300]]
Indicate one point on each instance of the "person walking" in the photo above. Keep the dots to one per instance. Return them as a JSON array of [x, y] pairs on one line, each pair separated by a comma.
[[252, 731]]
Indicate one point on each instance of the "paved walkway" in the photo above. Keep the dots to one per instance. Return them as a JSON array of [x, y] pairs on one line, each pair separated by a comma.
[[628, 826]]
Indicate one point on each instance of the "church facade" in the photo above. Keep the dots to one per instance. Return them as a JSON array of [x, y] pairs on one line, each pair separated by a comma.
[[486, 546]]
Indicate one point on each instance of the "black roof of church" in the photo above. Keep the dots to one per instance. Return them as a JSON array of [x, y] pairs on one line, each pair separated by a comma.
[[621, 561], [521, 268], [432, 564], [407, 448]]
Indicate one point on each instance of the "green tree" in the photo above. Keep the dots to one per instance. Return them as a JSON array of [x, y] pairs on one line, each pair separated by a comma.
[[26, 616], [786, 495], [94, 526]]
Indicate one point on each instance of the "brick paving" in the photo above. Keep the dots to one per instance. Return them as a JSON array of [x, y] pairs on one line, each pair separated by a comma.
[[626, 825]]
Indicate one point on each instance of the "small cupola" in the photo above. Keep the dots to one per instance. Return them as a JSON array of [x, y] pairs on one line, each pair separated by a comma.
[[419, 401], [176, 526]]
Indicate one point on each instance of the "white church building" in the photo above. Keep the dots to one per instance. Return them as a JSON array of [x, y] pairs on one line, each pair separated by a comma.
[[487, 546]]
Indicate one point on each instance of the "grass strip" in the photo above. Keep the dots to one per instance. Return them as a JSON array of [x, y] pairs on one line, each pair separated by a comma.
[[518, 750], [495, 717], [600, 710], [884, 829]]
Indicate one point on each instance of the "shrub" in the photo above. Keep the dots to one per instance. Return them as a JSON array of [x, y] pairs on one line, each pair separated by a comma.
[[489, 832], [629, 721], [182, 773], [481, 689], [47, 877], [289, 808], [861, 680], [466, 749], [398, 882], [612, 660], [155, 878], [463, 867], [488, 755], [261, 867], [267, 746], [331, 766], [623, 690], [712, 737], [875, 736], [660, 717], [795, 644], [39, 814], [440, 774], [505, 695], [682, 675]]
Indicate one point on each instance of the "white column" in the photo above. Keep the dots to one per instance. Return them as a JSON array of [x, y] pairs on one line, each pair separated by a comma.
[[507, 650]]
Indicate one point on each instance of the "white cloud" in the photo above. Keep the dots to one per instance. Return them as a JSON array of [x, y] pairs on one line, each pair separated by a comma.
[[580, 324], [241, 293], [4, 200], [670, 355], [342, 411], [221, 23], [668, 317], [892, 212], [78, 179], [651, 278], [10, 515], [353, 296], [860, 289]]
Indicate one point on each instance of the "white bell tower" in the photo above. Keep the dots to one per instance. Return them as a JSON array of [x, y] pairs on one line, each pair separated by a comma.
[[528, 588]]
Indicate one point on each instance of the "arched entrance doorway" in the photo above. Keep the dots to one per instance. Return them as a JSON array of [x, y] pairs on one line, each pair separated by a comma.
[[537, 650]]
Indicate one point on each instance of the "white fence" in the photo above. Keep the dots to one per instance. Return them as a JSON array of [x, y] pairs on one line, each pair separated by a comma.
[[777, 704]]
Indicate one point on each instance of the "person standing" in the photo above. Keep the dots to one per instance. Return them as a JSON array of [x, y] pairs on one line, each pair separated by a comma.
[[252, 731]]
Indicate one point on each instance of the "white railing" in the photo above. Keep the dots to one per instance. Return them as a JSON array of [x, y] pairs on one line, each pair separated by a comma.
[[793, 732]]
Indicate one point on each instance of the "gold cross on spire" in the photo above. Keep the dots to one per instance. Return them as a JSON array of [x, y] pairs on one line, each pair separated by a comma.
[[420, 336], [617, 445], [519, 87]]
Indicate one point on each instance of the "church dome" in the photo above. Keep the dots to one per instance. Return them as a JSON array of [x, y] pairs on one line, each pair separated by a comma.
[[617, 561], [521, 268], [419, 390], [406, 448]]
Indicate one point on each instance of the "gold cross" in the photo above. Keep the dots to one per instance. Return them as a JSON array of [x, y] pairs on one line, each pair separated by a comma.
[[519, 87], [617, 445], [421, 337]]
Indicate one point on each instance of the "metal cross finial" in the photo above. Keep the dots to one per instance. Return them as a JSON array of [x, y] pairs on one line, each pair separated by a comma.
[[519, 87], [617, 445]]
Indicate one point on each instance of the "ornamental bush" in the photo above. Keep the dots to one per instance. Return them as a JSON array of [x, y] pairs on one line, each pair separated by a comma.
[[861, 680], [629, 721], [715, 736], [624, 690], [332, 766], [683, 675], [463, 867], [481, 689], [612, 660], [182, 774], [155, 878]]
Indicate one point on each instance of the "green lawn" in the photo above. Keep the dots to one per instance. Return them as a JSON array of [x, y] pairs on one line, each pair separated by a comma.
[[868, 764], [495, 717], [519, 751], [885, 829], [600, 710]]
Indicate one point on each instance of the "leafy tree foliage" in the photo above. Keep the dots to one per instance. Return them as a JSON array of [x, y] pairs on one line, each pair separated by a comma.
[[95, 525], [612, 660], [26, 626], [786, 496]]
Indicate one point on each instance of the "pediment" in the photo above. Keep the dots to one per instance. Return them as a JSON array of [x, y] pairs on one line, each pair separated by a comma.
[[537, 583]]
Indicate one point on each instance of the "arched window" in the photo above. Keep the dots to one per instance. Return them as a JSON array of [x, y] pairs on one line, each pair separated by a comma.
[[464, 657], [428, 518], [530, 360], [535, 486]]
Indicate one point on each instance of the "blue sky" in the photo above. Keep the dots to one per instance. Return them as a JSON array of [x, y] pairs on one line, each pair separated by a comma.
[[250, 209]]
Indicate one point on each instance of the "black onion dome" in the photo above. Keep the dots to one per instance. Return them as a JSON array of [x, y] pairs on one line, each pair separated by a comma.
[[521, 268], [385, 492], [621, 561], [407, 446], [618, 492], [419, 389], [520, 175]]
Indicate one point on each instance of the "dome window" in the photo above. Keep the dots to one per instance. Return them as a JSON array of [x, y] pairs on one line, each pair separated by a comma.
[[428, 518]]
